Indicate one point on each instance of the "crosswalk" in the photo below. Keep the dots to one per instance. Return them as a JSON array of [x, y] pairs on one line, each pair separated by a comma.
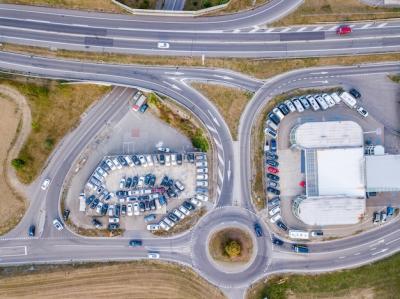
[[311, 28]]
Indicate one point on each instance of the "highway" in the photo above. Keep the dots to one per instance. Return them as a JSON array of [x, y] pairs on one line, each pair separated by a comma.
[[188, 248], [94, 32]]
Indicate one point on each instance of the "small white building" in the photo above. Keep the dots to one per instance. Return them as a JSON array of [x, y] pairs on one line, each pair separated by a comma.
[[382, 173]]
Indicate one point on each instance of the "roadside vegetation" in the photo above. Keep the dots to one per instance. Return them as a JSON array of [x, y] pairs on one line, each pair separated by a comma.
[[201, 4], [55, 109], [322, 11], [258, 139], [12, 204], [395, 78], [260, 68], [230, 102], [98, 5], [181, 120], [140, 4], [239, 5], [140, 279], [231, 245], [378, 280]]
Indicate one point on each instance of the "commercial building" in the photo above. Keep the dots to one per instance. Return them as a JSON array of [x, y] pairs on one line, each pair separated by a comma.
[[382, 173]]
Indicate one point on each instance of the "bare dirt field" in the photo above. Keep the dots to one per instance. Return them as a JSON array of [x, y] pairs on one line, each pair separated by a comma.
[[220, 239], [116, 280], [12, 205]]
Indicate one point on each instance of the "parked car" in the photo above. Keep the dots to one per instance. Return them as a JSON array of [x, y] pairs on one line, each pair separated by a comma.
[[273, 184], [195, 201], [274, 191], [258, 230], [362, 111], [164, 226], [142, 160], [96, 223], [201, 197], [274, 202], [129, 209], [136, 160], [274, 118], [66, 214], [274, 211], [178, 213], [183, 210], [281, 225], [31, 230], [284, 109], [137, 208], [272, 163], [278, 113], [383, 216], [300, 248], [303, 100], [57, 224], [272, 169], [188, 205], [153, 227], [313, 102], [376, 218], [201, 183], [343, 30], [179, 159], [271, 155], [173, 217], [277, 241], [275, 218], [113, 226], [173, 159], [153, 255], [298, 105], [271, 132], [181, 187], [290, 105], [355, 93], [317, 233], [272, 177], [321, 102], [329, 100], [273, 145]]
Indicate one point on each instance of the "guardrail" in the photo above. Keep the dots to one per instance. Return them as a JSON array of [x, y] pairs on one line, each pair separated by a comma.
[[172, 13]]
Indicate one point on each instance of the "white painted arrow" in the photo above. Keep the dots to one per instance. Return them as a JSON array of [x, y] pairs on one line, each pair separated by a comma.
[[214, 118]]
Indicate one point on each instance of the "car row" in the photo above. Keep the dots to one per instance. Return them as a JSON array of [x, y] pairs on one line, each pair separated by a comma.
[[382, 216], [176, 215]]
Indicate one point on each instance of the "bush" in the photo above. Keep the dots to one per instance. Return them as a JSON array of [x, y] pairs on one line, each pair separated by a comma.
[[232, 249], [200, 142], [18, 163], [49, 143]]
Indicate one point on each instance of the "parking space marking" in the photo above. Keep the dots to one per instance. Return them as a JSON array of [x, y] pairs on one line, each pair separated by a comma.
[[13, 251]]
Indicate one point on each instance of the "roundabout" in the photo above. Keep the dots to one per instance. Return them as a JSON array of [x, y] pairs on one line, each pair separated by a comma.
[[229, 274]]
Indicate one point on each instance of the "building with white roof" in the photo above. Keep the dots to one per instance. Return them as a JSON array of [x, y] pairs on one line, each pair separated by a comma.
[[382, 173]]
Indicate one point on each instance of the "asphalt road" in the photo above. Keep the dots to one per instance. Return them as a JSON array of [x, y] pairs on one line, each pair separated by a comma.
[[187, 248], [93, 32]]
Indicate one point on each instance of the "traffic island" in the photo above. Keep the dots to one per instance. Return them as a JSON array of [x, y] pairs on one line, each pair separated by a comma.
[[231, 245]]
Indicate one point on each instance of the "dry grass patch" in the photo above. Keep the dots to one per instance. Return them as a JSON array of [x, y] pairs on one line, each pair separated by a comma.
[[254, 67], [55, 109], [316, 11], [230, 102], [12, 205], [142, 279], [141, 4], [95, 5], [221, 239]]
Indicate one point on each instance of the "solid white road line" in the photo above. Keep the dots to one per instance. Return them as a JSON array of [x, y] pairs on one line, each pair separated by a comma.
[[13, 251], [380, 251], [392, 241]]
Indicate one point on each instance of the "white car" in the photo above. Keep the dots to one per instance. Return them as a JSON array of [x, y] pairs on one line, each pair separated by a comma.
[[116, 162], [290, 105], [153, 255], [45, 184], [163, 149], [336, 97], [163, 45], [113, 220], [195, 201], [142, 160], [136, 211], [313, 102], [164, 226], [140, 183], [201, 157], [149, 160], [201, 164], [202, 197], [179, 185], [201, 184], [98, 208], [202, 177], [129, 160], [167, 160], [129, 209], [122, 183], [111, 164], [173, 159], [202, 170], [298, 105], [57, 224], [168, 221], [110, 210], [274, 211], [328, 99], [178, 214], [271, 124], [362, 111], [153, 227], [101, 172], [275, 218], [184, 210], [278, 113]]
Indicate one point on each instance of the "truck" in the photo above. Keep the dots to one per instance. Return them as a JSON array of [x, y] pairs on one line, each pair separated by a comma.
[[137, 101], [300, 248], [82, 202], [299, 234], [348, 99]]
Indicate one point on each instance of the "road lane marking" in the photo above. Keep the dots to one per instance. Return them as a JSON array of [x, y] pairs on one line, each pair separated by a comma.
[[286, 29], [212, 129], [332, 28], [302, 29], [377, 243], [380, 251], [13, 251], [382, 25], [357, 253], [318, 28], [214, 118], [392, 241], [255, 28], [366, 25]]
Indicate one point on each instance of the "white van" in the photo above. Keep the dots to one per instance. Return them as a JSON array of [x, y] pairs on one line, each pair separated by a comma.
[[348, 99], [278, 113], [299, 234], [336, 97]]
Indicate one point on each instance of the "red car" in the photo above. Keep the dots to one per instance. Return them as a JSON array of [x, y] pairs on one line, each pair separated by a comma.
[[272, 169], [343, 30]]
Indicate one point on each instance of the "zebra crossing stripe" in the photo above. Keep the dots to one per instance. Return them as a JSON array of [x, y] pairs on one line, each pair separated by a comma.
[[318, 28], [221, 161], [366, 25], [302, 29], [286, 29], [382, 25]]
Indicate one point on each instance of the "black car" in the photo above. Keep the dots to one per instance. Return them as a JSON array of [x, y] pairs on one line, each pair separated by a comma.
[[285, 110], [190, 157], [355, 93], [66, 214], [96, 223], [179, 159], [274, 191], [113, 226], [94, 203], [152, 204], [272, 177], [274, 118], [258, 230], [31, 230], [162, 159], [122, 161], [147, 205], [272, 156], [135, 181], [104, 209], [274, 202], [141, 206], [136, 160], [272, 163], [188, 205], [281, 225], [128, 182], [123, 209], [117, 211], [90, 199], [273, 145], [171, 193], [165, 181], [135, 243], [105, 166], [173, 217], [277, 241]]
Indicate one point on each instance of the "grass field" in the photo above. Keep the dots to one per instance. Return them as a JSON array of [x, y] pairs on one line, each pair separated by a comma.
[[315, 11], [257, 68], [230, 102], [377, 280], [219, 240], [55, 109], [112, 280], [12, 205], [97, 5]]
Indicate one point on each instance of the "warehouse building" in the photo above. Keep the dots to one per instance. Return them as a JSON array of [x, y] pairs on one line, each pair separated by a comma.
[[382, 173]]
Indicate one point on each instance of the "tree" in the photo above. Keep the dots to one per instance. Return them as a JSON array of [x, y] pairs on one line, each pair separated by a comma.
[[18, 163], [232, 248], [199, 141]]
